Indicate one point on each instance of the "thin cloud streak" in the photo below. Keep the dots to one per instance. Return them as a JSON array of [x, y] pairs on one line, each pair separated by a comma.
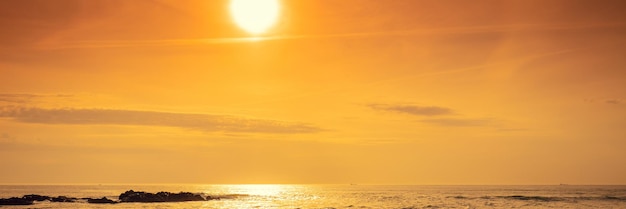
[[613, 101], [453, 122], [413, 109], [17, 98], [27, 98], [433, 111], [235, 40], [609, 101], [202, 122]]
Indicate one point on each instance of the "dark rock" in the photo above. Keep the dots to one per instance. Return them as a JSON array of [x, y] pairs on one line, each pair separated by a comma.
[[35, 197], [132, 196], [103, 200], [15, 201], [63, 199], [184, 196]]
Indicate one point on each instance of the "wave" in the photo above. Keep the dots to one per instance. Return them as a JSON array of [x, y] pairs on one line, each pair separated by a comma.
[[546, 198], [227, 196]]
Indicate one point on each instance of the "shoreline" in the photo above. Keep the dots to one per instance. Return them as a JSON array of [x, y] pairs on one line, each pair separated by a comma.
[[129, 196]]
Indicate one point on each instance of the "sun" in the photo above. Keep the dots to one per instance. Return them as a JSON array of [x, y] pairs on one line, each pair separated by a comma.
[[255, 16]]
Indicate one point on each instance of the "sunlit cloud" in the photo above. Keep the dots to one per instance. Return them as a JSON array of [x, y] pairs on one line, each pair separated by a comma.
[[202, 122], [6, 136], [413, 109], [610, 101], [454, 122], [437, 116], [512, 129], [27, 98], [614, 101], [235, 40], [17, 98]]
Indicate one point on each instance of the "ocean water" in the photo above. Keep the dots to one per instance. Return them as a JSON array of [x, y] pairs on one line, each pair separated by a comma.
[[340, 196]]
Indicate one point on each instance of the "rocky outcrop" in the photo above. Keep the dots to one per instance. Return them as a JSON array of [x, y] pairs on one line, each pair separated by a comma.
[[128, 196], [132, 196], [29, 199], [35, 197], [15, 201], [102, 200], [63, 199]]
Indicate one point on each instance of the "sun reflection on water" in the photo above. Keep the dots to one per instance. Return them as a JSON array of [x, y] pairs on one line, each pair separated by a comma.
[[261, 195], [259, 189]]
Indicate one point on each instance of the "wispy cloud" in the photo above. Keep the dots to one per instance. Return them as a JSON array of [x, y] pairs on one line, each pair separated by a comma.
[[613, 101], [610, 101], [235, 40], [413, 109], [6, 138], [512, 129], [202, 122], [454, 122], [26, 98], [438, 116], [17, 98]]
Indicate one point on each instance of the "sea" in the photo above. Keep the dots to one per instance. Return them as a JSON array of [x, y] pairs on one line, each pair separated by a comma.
[[349, 196]]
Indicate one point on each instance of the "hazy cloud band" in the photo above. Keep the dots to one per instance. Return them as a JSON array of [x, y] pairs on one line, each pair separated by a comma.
[[203, 122], [452, 122], [413, 109]]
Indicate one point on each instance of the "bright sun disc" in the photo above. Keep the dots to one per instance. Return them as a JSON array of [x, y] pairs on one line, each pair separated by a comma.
[[255, 16]]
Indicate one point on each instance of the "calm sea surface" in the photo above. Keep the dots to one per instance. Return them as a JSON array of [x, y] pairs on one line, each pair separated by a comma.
[[341, 196]]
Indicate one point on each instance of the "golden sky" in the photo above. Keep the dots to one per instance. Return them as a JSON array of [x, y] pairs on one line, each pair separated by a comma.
[[350, 91]]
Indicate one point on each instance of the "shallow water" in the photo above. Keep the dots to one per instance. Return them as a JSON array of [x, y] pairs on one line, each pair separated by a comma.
[[341, 196]]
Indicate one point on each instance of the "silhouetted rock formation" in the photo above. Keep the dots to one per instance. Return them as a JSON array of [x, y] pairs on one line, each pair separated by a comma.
[[35, 197], [102, 200], [132, 196], [15, 201], [128, 196], [63, 199]]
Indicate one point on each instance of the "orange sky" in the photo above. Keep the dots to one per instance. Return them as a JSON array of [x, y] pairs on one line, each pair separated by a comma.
[[351, 91]]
